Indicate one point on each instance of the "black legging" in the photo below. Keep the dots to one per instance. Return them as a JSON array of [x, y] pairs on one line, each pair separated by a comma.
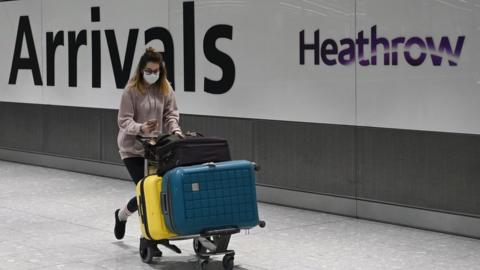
[[136, 169]]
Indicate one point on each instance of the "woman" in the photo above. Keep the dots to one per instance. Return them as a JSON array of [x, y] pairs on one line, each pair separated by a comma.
[[148, 107]]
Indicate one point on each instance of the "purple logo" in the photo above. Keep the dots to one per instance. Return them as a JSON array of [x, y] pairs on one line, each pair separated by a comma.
[[331, 53]]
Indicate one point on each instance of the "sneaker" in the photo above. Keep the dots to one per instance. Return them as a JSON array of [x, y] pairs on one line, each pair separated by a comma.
[[119, 226]]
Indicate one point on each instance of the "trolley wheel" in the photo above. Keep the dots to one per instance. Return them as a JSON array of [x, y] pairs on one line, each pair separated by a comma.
[[146, 253], [228, 262], [198, 247], [203, 264]]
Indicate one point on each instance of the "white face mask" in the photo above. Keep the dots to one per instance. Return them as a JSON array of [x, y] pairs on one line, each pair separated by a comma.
[[151, 78]]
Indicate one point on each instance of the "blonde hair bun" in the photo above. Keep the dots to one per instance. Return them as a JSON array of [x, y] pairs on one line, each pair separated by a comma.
[[150, 49]]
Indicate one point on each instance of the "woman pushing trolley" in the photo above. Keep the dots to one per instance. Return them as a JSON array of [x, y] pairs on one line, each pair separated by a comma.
[[195, 190]]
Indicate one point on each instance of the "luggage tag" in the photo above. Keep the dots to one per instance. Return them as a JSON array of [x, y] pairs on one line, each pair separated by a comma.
[[195, 187]]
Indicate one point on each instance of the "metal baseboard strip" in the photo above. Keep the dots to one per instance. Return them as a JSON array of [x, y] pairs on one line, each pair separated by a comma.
[[419, 218], [400, 215], [65, 163], [310, 201], [382, 212]]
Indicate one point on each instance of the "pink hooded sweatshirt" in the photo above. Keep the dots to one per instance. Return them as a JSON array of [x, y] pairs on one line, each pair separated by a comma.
[[136, 108]]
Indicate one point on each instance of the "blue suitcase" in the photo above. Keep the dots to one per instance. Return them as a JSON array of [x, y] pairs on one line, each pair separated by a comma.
[[211, 196]]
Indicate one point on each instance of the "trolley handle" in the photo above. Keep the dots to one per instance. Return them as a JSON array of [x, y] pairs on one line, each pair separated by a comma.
[[152, 140], [144, 139]]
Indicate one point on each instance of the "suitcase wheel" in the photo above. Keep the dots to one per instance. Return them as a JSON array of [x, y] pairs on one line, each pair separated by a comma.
[[228, 262], [262, 224], [148, 251], [146, 254]]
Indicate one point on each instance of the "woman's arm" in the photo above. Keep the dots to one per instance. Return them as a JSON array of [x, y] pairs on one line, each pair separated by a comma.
[[126, 113], [170, 113]]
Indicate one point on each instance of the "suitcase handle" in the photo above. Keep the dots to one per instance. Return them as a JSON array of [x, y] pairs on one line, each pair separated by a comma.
[[211, 164], [140, 208], [164, 204]]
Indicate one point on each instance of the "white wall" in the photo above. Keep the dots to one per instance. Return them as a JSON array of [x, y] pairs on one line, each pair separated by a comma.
[[270, 82], [427, 97]]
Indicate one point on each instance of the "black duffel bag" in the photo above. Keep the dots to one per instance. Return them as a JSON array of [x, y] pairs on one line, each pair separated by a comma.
[[170, 150]]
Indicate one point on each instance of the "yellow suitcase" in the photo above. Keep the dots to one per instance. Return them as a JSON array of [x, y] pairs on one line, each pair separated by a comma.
[[152, 221]]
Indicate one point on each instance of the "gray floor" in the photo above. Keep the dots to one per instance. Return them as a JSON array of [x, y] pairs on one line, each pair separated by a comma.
[[53, 219]]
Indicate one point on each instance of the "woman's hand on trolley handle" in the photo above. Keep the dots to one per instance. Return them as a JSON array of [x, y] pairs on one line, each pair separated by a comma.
[[179, 134]]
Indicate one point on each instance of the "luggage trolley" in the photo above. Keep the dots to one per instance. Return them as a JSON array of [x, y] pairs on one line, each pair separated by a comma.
[[206, 244]]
